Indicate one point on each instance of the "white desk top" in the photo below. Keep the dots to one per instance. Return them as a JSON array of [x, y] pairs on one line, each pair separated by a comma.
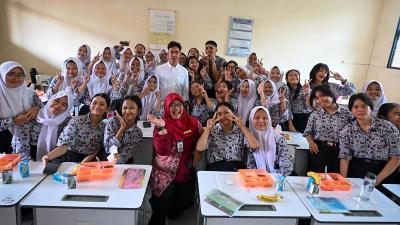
[[147, 131], [49, 193], [394, 188], [297, 139], [11, 194], [379, 202], [288, 207]]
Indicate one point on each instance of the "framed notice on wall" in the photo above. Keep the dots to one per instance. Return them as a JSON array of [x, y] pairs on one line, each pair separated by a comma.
[[240, 36], [162, 28]]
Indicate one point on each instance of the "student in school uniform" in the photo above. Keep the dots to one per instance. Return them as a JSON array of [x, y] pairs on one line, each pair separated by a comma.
[[133, 80], [223, 93], [319, 74], [200, 105], [83, 56], [162, 56], [150, 98], [122, 131], [183, 60], [70, 79], [50, 122], [390, 112], [250, 60], [173, 183], [82, 138], [368, 144], [247, 99], [277, 76], [140, 50], [227, 140], [240, 74], [125, 59], [273, 154], [299, 100], [213, 62], [193, 52], [374, 90], [98, 82], [275, 102], [198, 72], [323, 129], [108, 58], [258, 72], [151, 63], [19, 105]]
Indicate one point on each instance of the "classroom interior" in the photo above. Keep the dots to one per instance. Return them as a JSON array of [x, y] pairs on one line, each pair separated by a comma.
[[353, 37]]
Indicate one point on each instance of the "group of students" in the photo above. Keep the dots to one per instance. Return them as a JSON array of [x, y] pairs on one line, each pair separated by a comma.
[[199, 103]]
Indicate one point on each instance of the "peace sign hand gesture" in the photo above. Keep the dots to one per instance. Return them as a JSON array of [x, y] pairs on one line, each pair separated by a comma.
[[282, 93], [306, 87]]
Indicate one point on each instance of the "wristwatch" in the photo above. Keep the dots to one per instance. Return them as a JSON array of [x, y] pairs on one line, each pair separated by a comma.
[[160, 128]]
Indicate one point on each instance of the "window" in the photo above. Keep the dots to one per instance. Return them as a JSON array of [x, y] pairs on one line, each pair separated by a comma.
[[394, 58]]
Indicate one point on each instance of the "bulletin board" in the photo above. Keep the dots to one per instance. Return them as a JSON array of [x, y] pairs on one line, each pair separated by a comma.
[[240, 36], [162, 28]]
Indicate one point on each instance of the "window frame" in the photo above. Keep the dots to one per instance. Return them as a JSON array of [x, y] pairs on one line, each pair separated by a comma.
[[396, 43]]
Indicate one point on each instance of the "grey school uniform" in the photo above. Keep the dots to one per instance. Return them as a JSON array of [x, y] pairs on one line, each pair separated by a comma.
[[325, 129], [346, 89], [284, 162], [226, 146], [277, 116], [81, 137], [130, 140], [380, 142], [27, 135]]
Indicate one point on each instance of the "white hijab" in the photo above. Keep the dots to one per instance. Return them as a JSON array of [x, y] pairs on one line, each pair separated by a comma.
[[274, 98], [245, 104], [98, 85], [13, 101], [377, 103], [280, 83], [48, 134], [110, 64], [123, 66], [86, 60], [141, 73], [149, 101], [265, 155], [67, 80], [154, 54], [159, 53]]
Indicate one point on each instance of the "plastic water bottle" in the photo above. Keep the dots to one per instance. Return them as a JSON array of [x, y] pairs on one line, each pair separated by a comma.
[[368, 186]]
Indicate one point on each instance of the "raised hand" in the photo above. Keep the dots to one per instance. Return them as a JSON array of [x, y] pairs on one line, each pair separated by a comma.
[[306, 86], [235, 119], [203, 72], [158, 122], [96, 58], [282, 93], [86, 78], [211, 122], [59, 78], [122, 121], [260, 88], [218, 96], [114, 80], [74, 84], [260, 61], [203, 92], [191, 74], [228, 95], [146, 91], [337, 76]]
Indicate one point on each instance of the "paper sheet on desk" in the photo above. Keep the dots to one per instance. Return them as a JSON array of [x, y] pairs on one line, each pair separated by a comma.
[[296, 139]]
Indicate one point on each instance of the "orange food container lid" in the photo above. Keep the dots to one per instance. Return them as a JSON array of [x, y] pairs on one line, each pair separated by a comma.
[[334, 182], [8, 161], [95, 171], [256, 178]]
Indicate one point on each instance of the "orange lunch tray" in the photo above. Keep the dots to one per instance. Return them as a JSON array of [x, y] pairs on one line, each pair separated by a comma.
[[94, 171], [334, 182], [256, 178], [8, 161]]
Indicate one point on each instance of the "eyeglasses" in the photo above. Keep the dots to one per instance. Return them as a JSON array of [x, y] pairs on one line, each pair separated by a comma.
[[175, 105], [17, 75]]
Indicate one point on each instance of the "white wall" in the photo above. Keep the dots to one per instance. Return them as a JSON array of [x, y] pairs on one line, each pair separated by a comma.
[[377, 69], [288, 33]]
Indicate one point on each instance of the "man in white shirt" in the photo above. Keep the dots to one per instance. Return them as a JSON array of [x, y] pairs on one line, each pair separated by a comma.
[[172, 76]]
